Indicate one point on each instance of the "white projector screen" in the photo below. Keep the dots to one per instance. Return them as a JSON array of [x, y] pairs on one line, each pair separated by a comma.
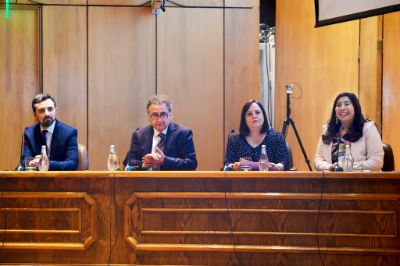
[[334, 11]]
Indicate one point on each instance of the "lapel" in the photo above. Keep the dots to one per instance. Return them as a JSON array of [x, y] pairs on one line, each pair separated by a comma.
[[148, 140], [55, 140], [169, 138], [38, 140]]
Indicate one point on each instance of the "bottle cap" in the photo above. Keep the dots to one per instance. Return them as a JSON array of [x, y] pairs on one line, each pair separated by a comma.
[[112, 148], [44, 150]]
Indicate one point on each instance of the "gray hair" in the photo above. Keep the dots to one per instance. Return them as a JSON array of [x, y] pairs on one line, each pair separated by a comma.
[[159, 99]]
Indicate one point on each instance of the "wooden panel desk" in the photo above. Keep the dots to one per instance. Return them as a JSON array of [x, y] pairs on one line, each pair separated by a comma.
[[200, 218]]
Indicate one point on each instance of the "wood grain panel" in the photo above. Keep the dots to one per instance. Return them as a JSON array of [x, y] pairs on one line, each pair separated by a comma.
[[49, 220], [284, 218], [241, 63], [179, 3], [54, 2], [121, 77], [190, 72], [322, 61], [201, 218], [56, 218], [275, 219], [19, 79], [391, 84], [65, 64], [371, 49]]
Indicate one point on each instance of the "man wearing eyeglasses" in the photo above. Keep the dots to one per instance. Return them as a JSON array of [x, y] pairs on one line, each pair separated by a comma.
[[163, 145]]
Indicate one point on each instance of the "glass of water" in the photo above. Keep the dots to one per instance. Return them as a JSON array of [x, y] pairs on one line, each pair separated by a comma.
[[245, 164], [30, 164]]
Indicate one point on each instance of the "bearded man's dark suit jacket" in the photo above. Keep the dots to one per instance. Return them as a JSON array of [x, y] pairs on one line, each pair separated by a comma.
[[64, 146], [178, 148]]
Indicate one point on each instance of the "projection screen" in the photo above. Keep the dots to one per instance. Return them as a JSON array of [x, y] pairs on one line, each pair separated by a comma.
[[334, 11]]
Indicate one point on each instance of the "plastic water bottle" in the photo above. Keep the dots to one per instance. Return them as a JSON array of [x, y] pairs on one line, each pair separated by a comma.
[[44, 162], [112, 162], [263, 162], [341, 154], [348, 159]]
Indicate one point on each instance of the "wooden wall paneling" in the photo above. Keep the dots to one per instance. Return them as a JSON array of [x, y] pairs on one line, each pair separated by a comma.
[[19, 78], [242, 78], [197, 3], [391, 84], [54, 2], [65, 64], [121, 77], [371, 68], [323, 61], [190, 71]]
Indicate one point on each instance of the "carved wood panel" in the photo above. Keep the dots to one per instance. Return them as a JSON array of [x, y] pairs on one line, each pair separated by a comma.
[[55, 218], [199, 218]]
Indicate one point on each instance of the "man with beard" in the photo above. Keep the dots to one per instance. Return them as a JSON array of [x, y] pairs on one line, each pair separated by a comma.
[[60, 139]]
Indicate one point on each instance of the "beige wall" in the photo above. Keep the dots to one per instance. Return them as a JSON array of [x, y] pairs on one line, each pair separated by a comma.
[[103, 62], [328, 60], [391, 84]]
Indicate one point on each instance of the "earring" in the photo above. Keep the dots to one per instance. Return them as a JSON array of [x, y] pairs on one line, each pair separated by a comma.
[[337, 120]]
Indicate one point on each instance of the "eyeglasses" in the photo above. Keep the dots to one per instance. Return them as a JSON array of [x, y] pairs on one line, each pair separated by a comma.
[[162, 115]]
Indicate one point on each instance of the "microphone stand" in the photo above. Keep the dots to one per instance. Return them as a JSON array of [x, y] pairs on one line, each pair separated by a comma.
[[289, 121]]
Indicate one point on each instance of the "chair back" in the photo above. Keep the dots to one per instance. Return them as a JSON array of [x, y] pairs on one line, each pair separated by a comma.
[[83, 163], [388, 158], [291, 168]]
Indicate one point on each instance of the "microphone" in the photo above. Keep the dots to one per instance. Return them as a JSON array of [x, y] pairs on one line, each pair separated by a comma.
[[289, 88], [21, 150]]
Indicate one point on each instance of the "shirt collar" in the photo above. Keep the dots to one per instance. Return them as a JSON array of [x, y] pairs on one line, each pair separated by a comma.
[[50, 128], [156, 133]]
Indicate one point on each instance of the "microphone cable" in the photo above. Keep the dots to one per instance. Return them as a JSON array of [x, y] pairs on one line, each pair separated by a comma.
[[301, 91], [318, 217], [230, 223], [21, 151]]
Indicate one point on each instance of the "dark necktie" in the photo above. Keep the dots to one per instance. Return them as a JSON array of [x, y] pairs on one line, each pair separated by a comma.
[[44, 139], [160, 144]]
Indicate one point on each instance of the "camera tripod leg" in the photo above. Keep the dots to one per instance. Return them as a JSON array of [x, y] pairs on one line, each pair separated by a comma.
[[300, 143], [285, 127]]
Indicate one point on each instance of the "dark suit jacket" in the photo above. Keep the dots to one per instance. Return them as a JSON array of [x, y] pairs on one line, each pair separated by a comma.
[[64, 146], [178, 148]]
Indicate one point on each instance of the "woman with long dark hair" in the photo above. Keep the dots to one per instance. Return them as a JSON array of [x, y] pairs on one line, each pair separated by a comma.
[[254, 131], [348, 125]]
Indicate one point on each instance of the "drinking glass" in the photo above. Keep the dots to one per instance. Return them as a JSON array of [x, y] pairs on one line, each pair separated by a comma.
[[245, 164], [245, 168], [358, 167], [29, 164]]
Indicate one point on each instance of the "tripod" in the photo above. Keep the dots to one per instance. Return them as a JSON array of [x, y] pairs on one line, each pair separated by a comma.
[[289, 121]]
